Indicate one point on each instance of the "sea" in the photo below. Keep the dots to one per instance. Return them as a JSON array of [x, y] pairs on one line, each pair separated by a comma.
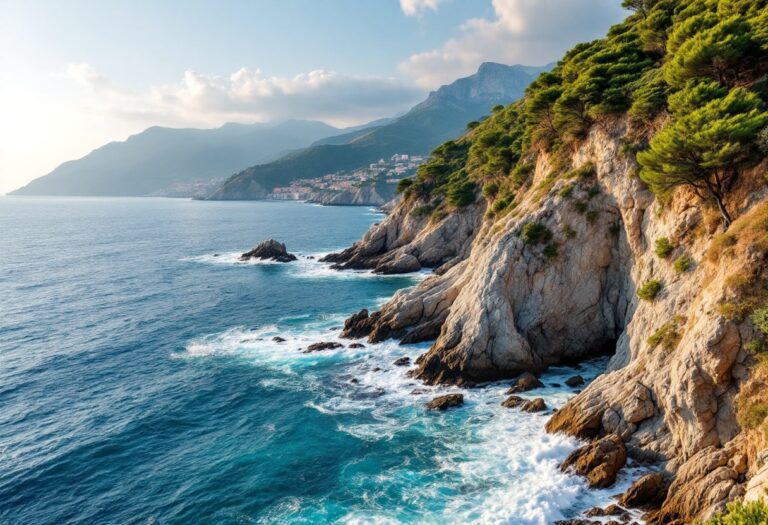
[[140, 382]]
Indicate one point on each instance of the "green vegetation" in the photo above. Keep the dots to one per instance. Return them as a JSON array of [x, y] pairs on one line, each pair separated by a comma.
[[550, 250], [753, 513], [566, 191], [691, 76], [759, 319], [683, 263], [762, 141], [587, 171], [490, 190], [705, 149], [422, 211], [663, 248], [535, 233], [667, 335], [650, 290], [404, 185]]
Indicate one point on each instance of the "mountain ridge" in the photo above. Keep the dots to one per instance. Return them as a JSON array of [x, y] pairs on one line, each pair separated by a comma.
[[442, 115], [150, 161]]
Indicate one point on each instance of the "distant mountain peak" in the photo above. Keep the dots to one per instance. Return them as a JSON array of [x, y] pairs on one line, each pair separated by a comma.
[[492, 83]]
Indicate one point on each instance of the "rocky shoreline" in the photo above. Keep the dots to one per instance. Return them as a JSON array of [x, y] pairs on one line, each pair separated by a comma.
[[497, 307]]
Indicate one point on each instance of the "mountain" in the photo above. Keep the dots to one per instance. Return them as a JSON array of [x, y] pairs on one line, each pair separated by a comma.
[[161, 161], [443, 115]]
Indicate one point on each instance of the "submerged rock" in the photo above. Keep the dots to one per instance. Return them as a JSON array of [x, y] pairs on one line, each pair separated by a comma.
[[278, 339], [512, 402], [445, 402], [319, 347], [599, 461], [524, 383], [574, 381], [269, 250], [403, 361], [534, 405], [357, 345]]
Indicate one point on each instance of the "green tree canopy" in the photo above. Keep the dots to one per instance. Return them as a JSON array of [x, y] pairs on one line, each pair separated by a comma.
[[705, 149]]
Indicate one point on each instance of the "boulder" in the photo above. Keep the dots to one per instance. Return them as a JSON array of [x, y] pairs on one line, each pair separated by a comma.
[[403, 361], [524, 383], [269, 250], [278, 339], [357, 345], [319, 347], [445, 402], [512, 402], [599, 461], [534, 405], [648, 489], [574, 381]]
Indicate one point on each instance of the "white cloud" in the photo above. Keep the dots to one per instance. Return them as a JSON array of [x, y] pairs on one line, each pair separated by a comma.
[[248, 96], [418, 7], [532, 32]]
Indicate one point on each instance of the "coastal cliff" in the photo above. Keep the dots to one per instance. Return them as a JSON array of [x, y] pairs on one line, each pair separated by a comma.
[[577, 246], [364, 196]]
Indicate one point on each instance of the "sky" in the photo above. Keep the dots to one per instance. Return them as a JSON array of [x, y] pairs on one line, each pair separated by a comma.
[[75, 75]]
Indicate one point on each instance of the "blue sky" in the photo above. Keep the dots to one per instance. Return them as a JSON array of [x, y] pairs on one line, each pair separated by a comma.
[[80, 73]]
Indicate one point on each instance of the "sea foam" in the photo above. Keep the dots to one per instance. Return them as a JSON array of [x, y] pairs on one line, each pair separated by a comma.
[[495, 465]]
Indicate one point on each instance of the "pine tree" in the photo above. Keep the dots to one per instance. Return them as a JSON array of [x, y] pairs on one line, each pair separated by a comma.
[[705, 149]]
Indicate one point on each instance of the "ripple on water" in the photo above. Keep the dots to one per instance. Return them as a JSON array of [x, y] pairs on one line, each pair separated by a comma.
[[480, 463]]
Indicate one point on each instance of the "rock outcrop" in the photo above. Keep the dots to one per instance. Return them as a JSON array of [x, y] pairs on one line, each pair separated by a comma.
[[406, 241], [599, 462], [524, 383], [646, 490], [445, 402], [502, 305], [363, 196], [269, 250], [321, 347]]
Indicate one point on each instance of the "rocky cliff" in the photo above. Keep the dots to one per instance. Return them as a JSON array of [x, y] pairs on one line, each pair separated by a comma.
[[363, 196], [504, 303], [619, 208]]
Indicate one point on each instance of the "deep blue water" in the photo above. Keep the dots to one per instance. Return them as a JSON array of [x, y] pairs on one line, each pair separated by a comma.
[[139, 382]]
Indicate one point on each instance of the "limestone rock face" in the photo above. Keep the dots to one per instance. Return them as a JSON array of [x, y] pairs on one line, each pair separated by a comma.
[[703, 485], [503, 304], [405, 241]]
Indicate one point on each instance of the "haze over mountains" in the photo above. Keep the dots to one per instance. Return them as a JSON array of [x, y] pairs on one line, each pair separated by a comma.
[[200, 162], [153, 161], [442, 116]]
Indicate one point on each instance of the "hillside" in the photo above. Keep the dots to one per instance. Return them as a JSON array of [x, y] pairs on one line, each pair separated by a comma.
[[444, 114], [619, 207], [159, 160]]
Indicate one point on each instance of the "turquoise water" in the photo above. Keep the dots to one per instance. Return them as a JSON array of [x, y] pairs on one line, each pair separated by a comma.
[[139, 382]]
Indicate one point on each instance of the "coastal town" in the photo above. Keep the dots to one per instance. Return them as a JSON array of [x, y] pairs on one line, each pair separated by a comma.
[[391, 171]]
